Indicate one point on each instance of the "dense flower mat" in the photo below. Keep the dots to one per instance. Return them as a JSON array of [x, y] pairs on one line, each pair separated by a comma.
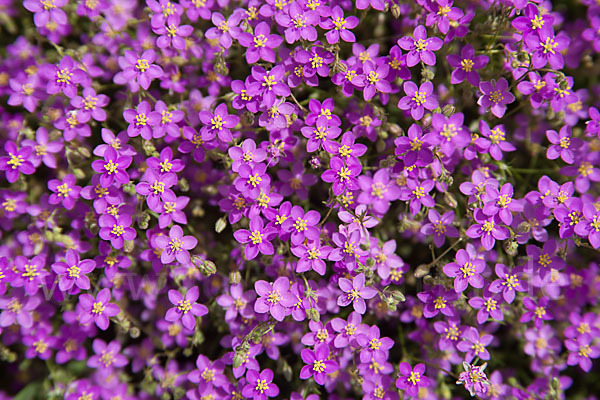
[[299, 199]]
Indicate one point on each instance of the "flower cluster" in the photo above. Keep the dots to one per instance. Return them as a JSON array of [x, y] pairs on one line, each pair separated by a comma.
[[300, 199]]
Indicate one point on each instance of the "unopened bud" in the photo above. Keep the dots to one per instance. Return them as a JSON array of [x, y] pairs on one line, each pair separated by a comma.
[[235, 277], [220, 225], [448, 110], [450, 200], [395, 9], [144, 220], [422, 270], [511, 247], [313, 315], [128, 246], [134, 332], [315, 162], [523, 227]]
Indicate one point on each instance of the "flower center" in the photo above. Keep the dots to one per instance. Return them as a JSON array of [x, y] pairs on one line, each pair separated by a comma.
[[316, 61], [549, 45], [184, 306], [15, 160], [420, 45], [373, 77], [339, 23], [537, 22], [97, 308], [584, 351], [565, 142], [74, 271], [107, 358], [375, 344], [497, 135], [261, 386], [496, 96], [63, 190], [585, 169], [175, 245], [414, 378], [172, 30], [166, 117], [274, 297], [64, 76], [111, 167], [511, 281], [419, 98], [256, 237], [300, 225], [141, 119], [488, 226], [117, 230], [260, 41], [254, 180], [504, 200], [467, 64], [439, 303], [299, 21], [490, 304], [468, 269], [319, 366], [419, 192], [89, 103]]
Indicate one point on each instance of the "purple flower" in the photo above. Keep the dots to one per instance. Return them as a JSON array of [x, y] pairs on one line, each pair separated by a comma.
[[563, 145], [209, 374], [302, 225], [156, 187], [246, 154], [355, 292], [268, 84], [497, 140], [237, 302], [488, 306], [117, 230], [375, 347], [299, 24], [72, 271], [107, 356], [319, 366], [441, 14], [474, 344], [185, 308], [495, 96], [419, 47], [139, 121], [29, 273], [546, 48], [581, 351], [418, 194], [44, 149], [348, 330], [65, 191], [509, 282], [343, 177], [261, 44], [378, 191], [541, 342], [218, 124], [533, 22], [165, 120], [417, 99], [172, 34], [46, 12], [112, 168], [410, 380], [488, 229], [224, 30], [501, 202], [251, 181], [63, 77], [260, 385], [474, 379], [438, 300], [440, 226], [339, 27], [257, 239], [18, 308], [275, 298], [466, 65], [90, 105], [139, 67], [373, 79], [98, 309], [175, 246], [466, 270], [320, 136], [589, 226], [16, 161]]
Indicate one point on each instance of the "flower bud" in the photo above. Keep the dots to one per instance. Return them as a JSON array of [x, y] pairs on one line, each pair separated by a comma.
[[235, 277], [422, 270], [315, 162], [313, 315], [395, 9], [450, 200], [220, 225]]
